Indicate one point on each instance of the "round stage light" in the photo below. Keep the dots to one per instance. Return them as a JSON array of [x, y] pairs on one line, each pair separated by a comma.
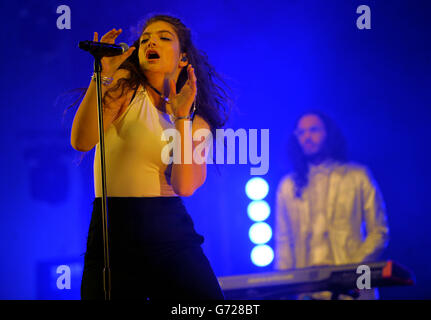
[[256, 188], [260, 233], [262, 255], [258, 210]]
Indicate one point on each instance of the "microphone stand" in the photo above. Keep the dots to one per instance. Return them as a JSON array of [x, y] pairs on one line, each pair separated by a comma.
[[96, 49], [107, 267]]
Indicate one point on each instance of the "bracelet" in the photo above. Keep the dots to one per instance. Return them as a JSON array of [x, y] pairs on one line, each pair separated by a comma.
[[106, 81], [189, 117]]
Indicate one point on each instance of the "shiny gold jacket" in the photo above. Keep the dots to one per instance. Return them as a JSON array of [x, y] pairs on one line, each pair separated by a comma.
[[356, 218]]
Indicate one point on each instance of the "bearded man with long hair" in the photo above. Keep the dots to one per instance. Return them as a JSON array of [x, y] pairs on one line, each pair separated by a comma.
[[329, 211]]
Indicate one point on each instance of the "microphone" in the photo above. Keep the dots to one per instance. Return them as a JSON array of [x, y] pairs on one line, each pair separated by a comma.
[[103, 49]]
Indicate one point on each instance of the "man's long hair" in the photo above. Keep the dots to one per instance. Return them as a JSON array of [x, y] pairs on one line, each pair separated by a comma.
[[334, 148]]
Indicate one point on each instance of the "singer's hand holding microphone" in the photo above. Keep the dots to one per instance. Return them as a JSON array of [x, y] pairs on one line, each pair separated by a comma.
[[113, 56]]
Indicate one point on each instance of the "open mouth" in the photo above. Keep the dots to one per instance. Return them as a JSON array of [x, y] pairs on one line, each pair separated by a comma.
[[152, 55]]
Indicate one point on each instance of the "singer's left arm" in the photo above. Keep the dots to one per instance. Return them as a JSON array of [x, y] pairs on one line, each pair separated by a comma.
[[188, 175]]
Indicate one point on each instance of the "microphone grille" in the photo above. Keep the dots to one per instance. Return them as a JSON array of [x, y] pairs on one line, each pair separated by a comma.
[[124, 46]]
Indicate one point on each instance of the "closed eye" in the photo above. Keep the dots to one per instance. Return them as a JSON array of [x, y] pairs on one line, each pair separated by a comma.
[[163, 38]]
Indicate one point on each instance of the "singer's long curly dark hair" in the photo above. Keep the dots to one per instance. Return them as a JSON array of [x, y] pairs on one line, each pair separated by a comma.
[[334, 147], [213, 99]]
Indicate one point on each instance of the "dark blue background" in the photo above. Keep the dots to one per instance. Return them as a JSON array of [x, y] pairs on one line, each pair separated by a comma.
[[281, 57]]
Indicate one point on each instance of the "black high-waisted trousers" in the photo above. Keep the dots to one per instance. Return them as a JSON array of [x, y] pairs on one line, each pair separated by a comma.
[[155, 253]]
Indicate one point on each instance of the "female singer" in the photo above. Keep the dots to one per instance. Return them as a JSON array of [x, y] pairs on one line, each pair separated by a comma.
[[163, 81]]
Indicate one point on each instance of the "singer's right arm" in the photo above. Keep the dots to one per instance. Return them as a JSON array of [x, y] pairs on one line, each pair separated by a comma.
[[85, 127]]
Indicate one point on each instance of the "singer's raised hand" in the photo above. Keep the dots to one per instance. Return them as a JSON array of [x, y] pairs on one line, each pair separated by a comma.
[[181, 102], [111, 64]]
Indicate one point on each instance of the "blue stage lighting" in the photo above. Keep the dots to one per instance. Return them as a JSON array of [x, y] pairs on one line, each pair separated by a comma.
[[256, 188], [262, 255], [258, 210]]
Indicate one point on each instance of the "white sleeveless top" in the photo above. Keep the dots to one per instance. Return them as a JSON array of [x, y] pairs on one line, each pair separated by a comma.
[[133, 149]]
